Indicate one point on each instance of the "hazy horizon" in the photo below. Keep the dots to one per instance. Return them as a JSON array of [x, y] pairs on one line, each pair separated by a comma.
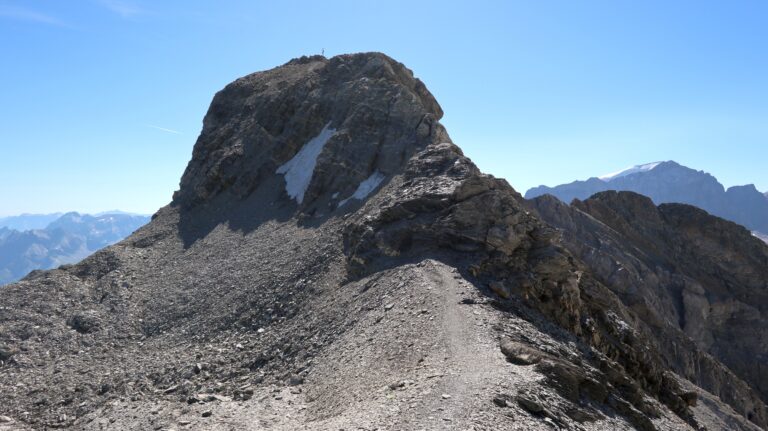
[[536, 93]]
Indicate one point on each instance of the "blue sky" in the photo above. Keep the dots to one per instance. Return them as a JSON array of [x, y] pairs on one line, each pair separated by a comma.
[[102, 100]]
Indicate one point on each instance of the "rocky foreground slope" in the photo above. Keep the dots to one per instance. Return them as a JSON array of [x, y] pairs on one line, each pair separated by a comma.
[[333, 261]]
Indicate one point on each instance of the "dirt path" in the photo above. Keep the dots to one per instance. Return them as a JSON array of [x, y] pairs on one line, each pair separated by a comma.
[[473, 367]]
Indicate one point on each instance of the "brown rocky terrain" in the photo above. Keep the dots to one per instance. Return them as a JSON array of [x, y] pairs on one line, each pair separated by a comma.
[[333, 261]]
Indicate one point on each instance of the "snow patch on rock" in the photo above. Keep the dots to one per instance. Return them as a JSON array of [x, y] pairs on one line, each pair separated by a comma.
[[761, 236], [298, 171], [365, 188]]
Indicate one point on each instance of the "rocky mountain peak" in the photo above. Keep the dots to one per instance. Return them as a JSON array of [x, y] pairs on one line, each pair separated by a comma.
[[633, 170], [671, 182], [325, 131], [332, 252]]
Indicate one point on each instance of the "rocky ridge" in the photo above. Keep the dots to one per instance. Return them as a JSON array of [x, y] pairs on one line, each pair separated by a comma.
[[395, 287]]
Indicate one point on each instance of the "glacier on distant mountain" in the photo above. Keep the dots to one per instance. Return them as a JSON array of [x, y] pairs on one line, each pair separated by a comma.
[[629, 171], [670, 182]]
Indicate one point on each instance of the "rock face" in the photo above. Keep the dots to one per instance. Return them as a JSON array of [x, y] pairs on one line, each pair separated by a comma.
[[689, 276], [332, 260], [65, 240], [669, 182]]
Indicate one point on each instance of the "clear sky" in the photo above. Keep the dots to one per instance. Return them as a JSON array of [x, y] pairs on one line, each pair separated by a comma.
[[101, 100]]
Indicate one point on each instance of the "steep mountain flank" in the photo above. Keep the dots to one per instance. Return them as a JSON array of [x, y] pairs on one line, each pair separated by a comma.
[[670, 182], [332, 260], [690, 276]]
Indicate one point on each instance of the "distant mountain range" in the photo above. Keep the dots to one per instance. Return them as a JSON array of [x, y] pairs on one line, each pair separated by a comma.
[[28, 221], [670, 182], [63, 239]]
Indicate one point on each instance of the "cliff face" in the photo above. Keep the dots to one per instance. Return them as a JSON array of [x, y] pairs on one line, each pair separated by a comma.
[[670, 182], [332, 260], [690, 276]]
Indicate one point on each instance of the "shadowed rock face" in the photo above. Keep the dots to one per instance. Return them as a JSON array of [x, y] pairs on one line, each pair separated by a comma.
[[670, 182], [383, 281], [690, 276]]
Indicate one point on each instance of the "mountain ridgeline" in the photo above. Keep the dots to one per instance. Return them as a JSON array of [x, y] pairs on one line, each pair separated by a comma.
[[670, 182], [65, 239], [28, 221], [332, 260]]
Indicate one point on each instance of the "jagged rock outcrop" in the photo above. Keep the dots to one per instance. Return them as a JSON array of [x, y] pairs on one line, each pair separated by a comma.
[[445, 202], [670, 182], [332, 260]]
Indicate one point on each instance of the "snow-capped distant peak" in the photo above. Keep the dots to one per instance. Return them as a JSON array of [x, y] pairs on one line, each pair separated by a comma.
[[629, 171]]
